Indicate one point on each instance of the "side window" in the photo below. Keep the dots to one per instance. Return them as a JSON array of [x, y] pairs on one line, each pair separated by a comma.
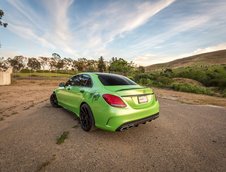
[[74, 81], [86, 81], [68, 82]]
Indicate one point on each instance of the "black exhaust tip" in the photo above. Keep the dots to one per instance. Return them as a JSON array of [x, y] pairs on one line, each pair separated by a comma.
[[128, 125]]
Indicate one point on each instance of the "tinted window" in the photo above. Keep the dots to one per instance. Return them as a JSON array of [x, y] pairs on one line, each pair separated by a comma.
[[85, 81], [74, 81], [80, 80], [110, 80]]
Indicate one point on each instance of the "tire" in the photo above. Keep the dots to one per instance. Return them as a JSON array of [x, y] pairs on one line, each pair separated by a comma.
[[53, 100], [86, 118]]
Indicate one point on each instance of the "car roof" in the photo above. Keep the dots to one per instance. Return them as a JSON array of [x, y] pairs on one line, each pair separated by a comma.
[[100, 73]]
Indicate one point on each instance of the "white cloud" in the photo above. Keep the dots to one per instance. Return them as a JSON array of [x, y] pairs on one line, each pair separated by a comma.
[[9, 53], [28, 33], [116, 19], [210, 49], [50, 31], [149, 59], [94, 31], [58, 15], [178, 27], [129, 20], [53, 27], [27, 12]]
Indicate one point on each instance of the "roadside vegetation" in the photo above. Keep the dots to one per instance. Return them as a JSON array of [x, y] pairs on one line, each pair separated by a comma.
[[62, 138], [210, 80], [199, 78], [45, 74]]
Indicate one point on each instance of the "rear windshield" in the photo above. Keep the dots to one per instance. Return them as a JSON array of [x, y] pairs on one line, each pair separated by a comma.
[[110, 80]]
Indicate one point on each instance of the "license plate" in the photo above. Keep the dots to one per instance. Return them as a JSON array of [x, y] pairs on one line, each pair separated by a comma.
[[142, 99]]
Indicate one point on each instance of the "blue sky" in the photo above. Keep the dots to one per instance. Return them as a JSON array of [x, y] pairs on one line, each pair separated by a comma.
[[146, 32]]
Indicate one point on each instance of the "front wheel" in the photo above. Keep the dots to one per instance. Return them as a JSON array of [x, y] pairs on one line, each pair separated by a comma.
[[86, 118], [53, 100]]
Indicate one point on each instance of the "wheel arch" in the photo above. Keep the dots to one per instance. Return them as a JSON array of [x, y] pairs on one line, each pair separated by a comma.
[[88, 106], [90, 110], [83, 104]]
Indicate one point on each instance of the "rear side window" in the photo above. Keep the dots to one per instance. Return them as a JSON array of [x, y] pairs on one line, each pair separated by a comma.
[[85, 81], [111, 80]]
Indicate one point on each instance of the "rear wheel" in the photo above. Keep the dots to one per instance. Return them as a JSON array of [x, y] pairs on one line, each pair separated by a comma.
[[53, 100], [86, 118]]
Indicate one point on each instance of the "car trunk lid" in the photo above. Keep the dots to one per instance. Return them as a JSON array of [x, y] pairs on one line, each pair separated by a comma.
[[136, 96]]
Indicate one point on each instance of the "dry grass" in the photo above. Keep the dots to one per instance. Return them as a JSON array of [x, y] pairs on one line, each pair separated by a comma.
[[190, 97], [188, 81], [217, 57]]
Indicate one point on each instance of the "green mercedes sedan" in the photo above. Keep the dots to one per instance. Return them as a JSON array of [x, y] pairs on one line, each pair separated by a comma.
[[107, 101]]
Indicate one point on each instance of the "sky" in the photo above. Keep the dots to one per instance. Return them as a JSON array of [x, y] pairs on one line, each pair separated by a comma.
[[143, 31]]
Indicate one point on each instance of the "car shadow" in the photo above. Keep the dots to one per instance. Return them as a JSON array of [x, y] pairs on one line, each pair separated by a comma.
[[103, 134]]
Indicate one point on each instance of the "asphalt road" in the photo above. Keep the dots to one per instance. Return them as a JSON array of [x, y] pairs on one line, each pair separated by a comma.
[[184, 138]]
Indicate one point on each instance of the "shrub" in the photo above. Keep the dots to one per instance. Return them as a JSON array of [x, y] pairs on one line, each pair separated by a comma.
[[165, 81], [144, 81], [191, 88], [224, 93], [26, 71]]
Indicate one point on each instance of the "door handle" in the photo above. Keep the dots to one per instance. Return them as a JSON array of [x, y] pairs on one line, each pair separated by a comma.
[[82, 91]]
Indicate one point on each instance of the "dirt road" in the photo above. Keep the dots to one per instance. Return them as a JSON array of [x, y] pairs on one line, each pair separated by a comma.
[[184, 138]]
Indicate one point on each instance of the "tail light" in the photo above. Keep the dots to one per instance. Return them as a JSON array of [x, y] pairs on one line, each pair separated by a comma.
[[114, 100]]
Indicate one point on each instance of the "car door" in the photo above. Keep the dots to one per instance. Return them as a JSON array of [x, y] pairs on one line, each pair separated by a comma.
[[78, 90], [63, 94], [74, 94]]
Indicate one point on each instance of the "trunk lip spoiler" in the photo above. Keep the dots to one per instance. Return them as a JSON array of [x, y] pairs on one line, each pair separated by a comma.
[[134, 95], [124, 89]]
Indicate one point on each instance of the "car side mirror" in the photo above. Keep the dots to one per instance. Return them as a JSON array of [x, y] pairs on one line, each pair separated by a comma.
[[62, 84]]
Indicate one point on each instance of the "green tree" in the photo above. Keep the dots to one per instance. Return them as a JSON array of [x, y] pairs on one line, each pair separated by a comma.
[[55, 55], [16, 63], [81, 64], [34, 64], [91, 66], [3, 66], [141, 69], [101, 64], [120, 66], [168, 72], [60, 64], [1, 22]]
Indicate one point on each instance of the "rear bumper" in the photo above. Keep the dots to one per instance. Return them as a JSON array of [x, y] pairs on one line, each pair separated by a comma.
[[135, 123], [112, 118]]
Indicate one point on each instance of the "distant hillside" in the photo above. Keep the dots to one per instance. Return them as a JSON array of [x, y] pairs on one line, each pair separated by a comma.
[[212, 58]]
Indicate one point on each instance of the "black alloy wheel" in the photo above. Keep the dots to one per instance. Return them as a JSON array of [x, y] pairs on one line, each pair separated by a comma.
[[86, 118], [53, 100]]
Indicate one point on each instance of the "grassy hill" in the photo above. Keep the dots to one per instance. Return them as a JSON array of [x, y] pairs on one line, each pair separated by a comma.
[[201, 74], [212, 58]]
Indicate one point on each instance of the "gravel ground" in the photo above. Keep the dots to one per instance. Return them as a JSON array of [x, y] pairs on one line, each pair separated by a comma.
[[184, 138]]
